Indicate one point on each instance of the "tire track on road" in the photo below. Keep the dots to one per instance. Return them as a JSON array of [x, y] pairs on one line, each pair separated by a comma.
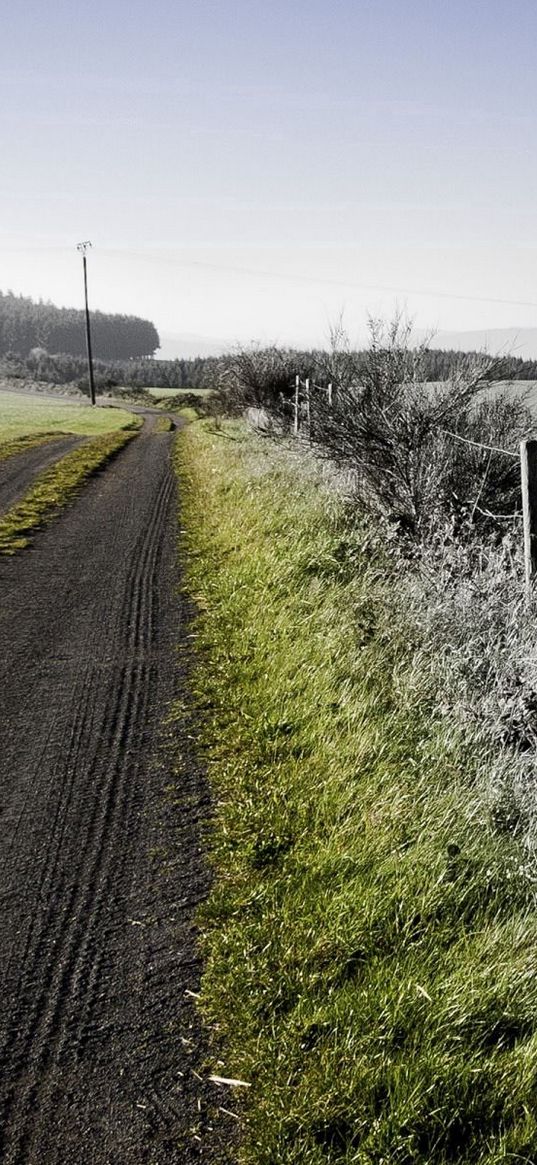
[[61, 961], [81, 940]]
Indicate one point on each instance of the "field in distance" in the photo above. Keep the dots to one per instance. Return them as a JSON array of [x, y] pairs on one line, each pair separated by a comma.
[[164, 392], [22, 415]]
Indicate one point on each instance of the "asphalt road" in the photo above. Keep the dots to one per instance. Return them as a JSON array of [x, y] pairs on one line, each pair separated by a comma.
[[100, 814]]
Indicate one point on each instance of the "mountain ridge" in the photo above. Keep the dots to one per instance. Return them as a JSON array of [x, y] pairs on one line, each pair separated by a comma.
[[521, 342]]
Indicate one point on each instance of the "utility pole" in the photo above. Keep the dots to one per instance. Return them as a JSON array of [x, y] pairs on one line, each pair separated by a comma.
[[528, 465], [82, 247]]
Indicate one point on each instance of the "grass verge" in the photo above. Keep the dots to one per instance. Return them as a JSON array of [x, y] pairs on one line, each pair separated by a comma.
[[370, 938], [22, 444], [163, 425], [187, 413], [53, 488]]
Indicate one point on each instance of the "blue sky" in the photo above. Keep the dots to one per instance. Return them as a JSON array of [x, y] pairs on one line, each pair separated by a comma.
[[248, 170]]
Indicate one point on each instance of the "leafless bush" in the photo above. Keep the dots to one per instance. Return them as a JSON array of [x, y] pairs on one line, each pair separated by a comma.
[[258, 378], [421, 453], [340, 365], [418, 447]]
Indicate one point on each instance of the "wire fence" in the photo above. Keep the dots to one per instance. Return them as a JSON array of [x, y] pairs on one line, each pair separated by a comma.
[[527, 456]]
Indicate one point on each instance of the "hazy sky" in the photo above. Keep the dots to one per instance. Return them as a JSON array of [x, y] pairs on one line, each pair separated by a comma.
[[246, 170]]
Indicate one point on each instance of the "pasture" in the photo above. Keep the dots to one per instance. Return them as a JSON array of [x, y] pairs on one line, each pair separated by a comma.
[[525, 389], [24, 415]]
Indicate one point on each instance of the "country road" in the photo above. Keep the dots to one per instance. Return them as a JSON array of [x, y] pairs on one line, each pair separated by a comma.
[[100, 809]]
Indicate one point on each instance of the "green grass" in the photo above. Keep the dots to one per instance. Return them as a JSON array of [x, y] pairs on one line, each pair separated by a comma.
[[55, 487], [371, 936], [24, 415], [187, 413], [163, 425], [22, 444]]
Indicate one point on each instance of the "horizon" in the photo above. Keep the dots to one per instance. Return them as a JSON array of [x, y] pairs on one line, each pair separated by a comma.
[[511, 342], [249, 175]]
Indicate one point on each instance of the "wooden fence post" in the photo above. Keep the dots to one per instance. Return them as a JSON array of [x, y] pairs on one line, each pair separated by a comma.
[[308, 409], [330, 395], [297, 390], [528, 472]]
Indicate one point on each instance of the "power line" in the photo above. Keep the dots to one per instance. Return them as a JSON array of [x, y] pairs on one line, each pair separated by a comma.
[[293, 277]]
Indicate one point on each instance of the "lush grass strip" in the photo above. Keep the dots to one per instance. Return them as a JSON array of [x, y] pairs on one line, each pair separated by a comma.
[[371, 937], [30, 441], [163, 425], [55, 487]]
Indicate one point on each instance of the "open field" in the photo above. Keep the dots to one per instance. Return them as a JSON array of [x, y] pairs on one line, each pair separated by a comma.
[[523, 388], [371, 934], [22, 414]]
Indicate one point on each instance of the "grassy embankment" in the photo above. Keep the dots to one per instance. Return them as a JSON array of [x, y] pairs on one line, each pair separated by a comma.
[[24, 422], [371, 937]]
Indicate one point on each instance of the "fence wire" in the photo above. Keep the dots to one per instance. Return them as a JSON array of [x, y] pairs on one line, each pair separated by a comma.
[[479, 444]]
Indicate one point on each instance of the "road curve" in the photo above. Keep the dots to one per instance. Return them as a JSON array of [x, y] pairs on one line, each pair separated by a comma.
[[99, 843]]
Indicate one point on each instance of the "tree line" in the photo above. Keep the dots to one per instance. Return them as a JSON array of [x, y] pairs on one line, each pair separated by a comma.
[[211, 371], [199, 372], [45, 343], [26, 324]]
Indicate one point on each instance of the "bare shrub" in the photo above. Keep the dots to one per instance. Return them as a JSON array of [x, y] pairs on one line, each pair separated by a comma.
[[418, 446], [421, 453], [340, 365], [259, 378]]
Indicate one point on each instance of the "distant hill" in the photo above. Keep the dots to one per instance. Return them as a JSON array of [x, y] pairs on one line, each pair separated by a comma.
[[188, 345], [521, 342]]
